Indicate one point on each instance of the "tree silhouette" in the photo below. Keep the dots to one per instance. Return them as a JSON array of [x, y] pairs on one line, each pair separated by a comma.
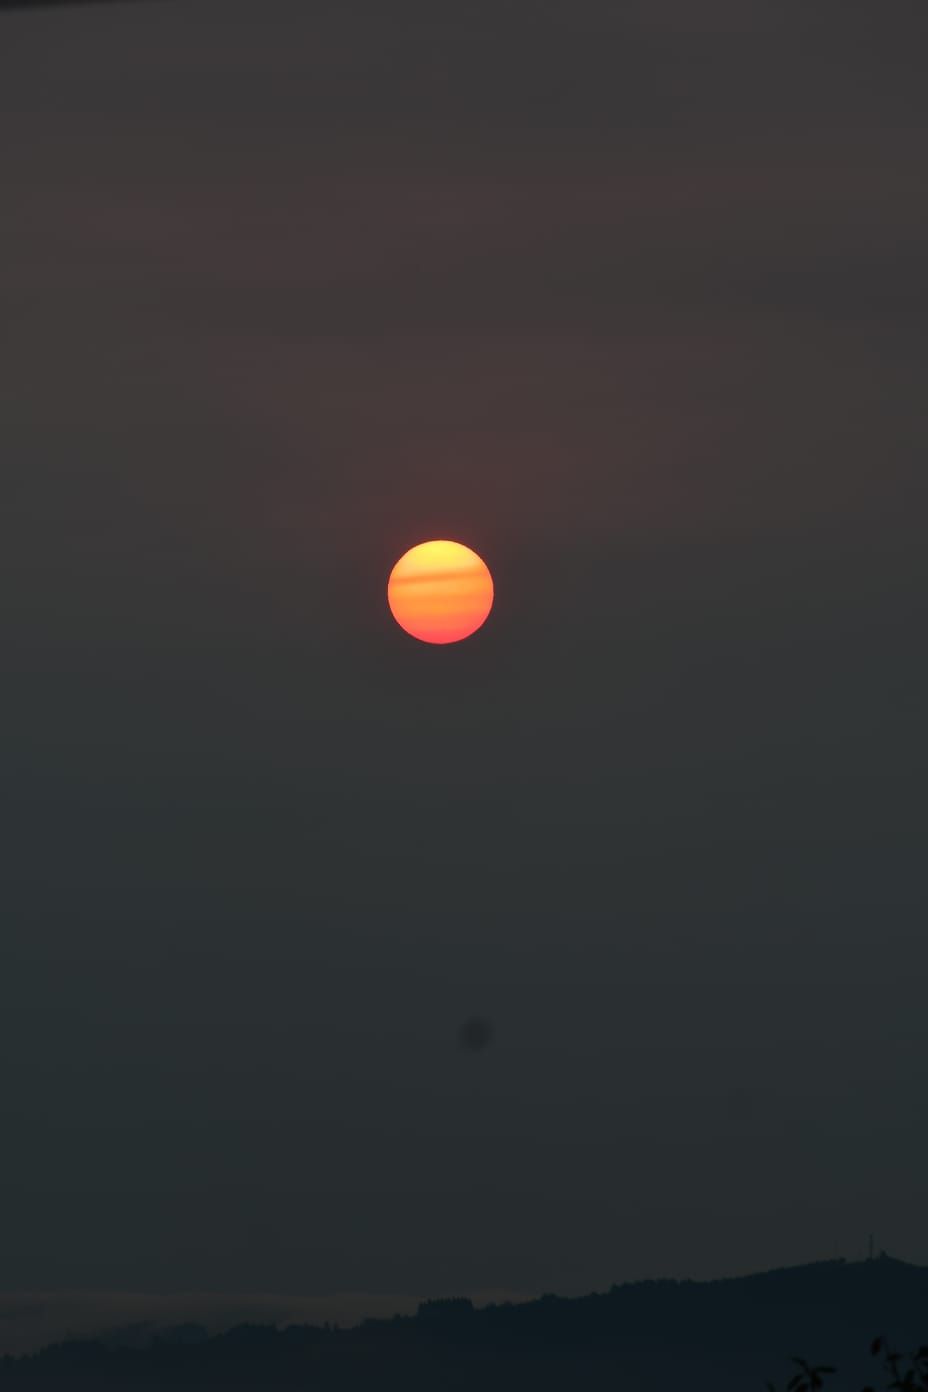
[[903, 1372]]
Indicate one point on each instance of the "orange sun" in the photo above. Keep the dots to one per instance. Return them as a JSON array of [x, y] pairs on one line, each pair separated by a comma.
[[440, 591]]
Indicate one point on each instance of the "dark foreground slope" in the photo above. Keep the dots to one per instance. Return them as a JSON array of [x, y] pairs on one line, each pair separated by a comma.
[[651, 1335]]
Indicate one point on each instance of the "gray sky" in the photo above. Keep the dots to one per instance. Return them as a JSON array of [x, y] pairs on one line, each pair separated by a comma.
[[632, 299]]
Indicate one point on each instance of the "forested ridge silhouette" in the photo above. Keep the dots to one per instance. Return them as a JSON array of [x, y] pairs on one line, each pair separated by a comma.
[[734, 1333]]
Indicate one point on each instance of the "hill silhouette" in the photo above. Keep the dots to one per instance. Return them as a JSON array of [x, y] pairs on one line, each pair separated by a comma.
[[733, 1333]]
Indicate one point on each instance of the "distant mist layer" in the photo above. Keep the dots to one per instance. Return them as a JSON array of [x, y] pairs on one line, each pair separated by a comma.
[[32, 1320]]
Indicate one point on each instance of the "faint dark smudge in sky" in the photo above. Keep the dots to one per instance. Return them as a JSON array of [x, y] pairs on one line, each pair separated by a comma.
[[476, 1033]]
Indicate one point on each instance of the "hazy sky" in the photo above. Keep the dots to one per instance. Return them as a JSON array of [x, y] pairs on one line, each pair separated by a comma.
[[631, 298]]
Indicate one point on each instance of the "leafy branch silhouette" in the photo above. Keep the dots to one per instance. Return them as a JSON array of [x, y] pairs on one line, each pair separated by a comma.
[[903, 1372]]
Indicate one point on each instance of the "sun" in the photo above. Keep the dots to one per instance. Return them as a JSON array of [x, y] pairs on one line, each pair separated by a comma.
[[440, 591]]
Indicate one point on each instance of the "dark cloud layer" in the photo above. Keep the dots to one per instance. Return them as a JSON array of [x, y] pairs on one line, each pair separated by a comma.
[[635, 304]]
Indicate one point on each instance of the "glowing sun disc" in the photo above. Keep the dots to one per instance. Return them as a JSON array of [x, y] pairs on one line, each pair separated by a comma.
[[440, 591]]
